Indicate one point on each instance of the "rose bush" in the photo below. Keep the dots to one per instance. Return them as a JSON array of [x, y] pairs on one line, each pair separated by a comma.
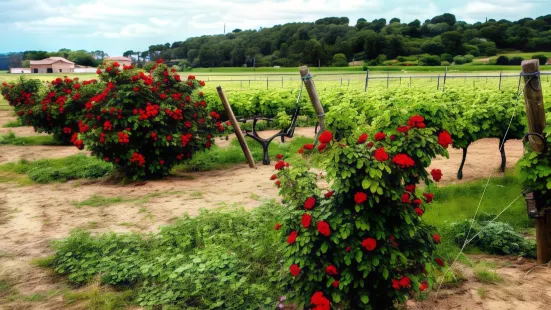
[[23, 95], [146, 123], [362, 244]]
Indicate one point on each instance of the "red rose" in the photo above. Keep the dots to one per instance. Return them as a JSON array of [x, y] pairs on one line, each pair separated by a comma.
[[444, 139], [322, 147], [292, 237], [202, 83], [320, 302], [419, 211], [335, 283], [360, 197], [417, 202], [98, 71], [278, 183], [329, 194], [428, 197], [436, 174], [160, 61], [331, 270], [405, 198], [439, 261], [191, 77], [309, 203], [395, 284], [362, 138], [301, 150], [277, 226], [380, 136], [436, 238], [405, 282], [162, 96], [325, 137], [279, 156], [309, 146], [403, 129], [403, 161], [417, 121], [324, 228], [273, 177], [392, 138], [410, 188], [294, 269], [369, 244], [348, 249], [370, 144], [380, 154], [306, 220], [423, 286], [280, 165], [77, 86]]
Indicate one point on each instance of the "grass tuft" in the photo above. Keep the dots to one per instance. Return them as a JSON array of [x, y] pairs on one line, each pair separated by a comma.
[[484, 273], [13, 124], [11, 139]]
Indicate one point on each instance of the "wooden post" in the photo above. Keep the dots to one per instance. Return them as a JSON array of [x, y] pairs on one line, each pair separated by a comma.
[[341, 82], [533, 101], [535, 113], [410, 81], [348, 82], [236, 127], [311, 88], [282, 81], [445, 75], [267, 82], [387, 78], [366, 80], [438, 85], [500, 73], [400, 81]]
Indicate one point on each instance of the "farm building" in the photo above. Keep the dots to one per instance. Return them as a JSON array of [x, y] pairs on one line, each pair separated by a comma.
[[121, 60], [51, 65], [20, 70]]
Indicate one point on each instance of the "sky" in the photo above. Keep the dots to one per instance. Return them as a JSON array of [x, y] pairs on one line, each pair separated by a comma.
[[115, 26]]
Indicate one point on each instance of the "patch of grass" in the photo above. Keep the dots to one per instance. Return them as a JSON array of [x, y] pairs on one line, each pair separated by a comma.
[[5, 107], [99, 298], [10, 177], [13, 124], [255, 197], [482, 291], [220, 158], [454, 278], [98, 201], [127, 224], [34, 297], [11, 139], [455, 203], [196, 195], [484, 273], [7, 289], [60, 170]]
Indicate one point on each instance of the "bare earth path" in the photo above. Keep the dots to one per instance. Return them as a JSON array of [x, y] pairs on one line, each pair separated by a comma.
[[30, 217]]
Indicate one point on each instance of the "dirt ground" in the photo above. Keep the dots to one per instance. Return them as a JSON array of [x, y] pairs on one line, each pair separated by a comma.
[[31, 217]]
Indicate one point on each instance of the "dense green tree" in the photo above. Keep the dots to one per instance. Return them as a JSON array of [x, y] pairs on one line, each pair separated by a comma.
[[339, 60]]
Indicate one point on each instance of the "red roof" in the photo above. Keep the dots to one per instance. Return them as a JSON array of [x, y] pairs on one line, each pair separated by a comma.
[[50, 60]]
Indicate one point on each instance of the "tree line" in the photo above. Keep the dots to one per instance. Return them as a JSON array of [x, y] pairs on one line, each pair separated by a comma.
[[80, 57], [317, 43]]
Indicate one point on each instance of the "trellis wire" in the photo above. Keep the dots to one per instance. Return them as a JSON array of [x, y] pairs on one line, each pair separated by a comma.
[[467, 240]]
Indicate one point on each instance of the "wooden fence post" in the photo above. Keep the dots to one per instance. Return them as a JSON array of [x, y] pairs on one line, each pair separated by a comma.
[[438, 85], [500, 73], [236, 127], [366, 80], [535, 113], [311, 88], [387, 78], [445, 75]]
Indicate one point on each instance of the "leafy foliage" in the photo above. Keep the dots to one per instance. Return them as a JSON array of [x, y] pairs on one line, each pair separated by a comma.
[[217, 260], [363, 244]]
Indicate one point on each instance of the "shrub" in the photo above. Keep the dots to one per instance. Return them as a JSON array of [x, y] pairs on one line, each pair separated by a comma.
[[362, 244], [542, 58], [459, 60], [339, 60], [145, 124], [516, 61], [494, 238], [430, 60], [446, 57], [502, 60], [23, 95], [469, 58], [444, 63]]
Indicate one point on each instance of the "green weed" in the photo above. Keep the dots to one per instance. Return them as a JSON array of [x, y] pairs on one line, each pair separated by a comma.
[[484, 273], [11, 139], [13, 124]]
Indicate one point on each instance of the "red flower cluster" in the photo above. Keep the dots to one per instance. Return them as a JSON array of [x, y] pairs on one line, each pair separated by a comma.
[[436, 174], [329, 194], [123, 138], [403, 129], [410, 188], [324, 228], [294, 269], [417, 121], [292, 237], [369, 244], [280, 165], [137, 158], [428, 197], [320, 302], [362, 138], [436, 238], [308, 146], [444, 139], [419, 211], [277, 226], [360, 197], [325, 137], [309, 203], [306, 220], [331, 270], [403, 282], [405, 198], [321, 147], [403, 161], [380, 136], [380, 154]]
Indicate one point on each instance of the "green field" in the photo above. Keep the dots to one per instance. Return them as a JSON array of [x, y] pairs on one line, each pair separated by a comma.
[[521, 54]]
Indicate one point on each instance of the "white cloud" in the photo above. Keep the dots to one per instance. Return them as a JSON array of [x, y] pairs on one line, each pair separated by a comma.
[[478, 10]]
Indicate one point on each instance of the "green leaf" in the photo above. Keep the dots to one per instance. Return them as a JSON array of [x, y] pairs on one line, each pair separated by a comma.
[[365, 299], [324, 247]]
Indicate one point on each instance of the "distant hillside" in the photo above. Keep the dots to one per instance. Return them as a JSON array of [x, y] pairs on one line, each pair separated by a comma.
[[317, 43]]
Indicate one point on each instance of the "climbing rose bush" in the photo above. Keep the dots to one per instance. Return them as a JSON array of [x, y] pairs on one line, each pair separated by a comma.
[[362, 244], [146, 123]]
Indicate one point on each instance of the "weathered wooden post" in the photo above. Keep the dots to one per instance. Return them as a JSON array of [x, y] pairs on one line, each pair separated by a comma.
[[282, 81], [267, 82], [500, 73], [438, 85], [387, 78], [236, 127], [410, 81], [311, 88], [341, 81], [366, 80], [535, 113], [445, 75]]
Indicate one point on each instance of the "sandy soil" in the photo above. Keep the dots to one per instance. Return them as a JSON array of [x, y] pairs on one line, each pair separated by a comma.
[[31, 217]]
